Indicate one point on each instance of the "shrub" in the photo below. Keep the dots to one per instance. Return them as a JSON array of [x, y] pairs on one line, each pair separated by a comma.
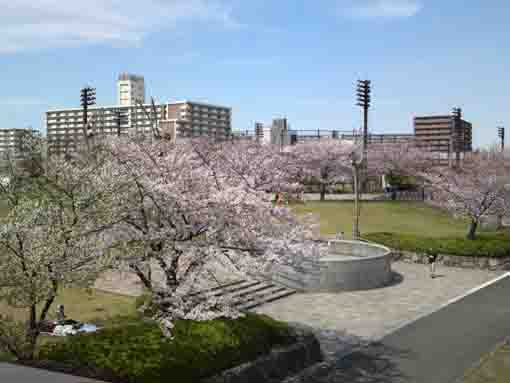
[[140, 353], [486, 245]]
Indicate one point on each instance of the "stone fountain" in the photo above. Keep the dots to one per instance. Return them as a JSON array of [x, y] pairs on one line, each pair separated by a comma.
[[347, 266]]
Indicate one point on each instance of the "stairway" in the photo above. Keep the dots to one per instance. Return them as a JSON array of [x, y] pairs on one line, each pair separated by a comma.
[[248, 294], [305, 277]]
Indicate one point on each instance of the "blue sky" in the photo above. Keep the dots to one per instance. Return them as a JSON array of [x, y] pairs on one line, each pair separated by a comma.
[[294, 58]]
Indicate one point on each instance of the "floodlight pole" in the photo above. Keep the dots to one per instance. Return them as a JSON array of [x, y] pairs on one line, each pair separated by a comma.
[[87, 98], [501, 135], [363, 92]]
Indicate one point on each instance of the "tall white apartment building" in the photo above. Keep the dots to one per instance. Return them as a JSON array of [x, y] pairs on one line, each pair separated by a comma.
[[182, 119], [130, 89]]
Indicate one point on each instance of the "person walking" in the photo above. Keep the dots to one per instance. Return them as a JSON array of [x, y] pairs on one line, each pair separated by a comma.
[[432, 258]]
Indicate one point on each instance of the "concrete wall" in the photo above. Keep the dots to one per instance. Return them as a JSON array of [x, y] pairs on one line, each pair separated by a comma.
[[349, 265], [483, 263]]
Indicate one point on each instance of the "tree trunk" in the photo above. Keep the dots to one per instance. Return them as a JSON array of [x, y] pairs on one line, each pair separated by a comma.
[[472, 230]]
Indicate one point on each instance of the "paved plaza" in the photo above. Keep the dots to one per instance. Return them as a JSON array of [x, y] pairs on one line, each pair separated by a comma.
[[372, 314]]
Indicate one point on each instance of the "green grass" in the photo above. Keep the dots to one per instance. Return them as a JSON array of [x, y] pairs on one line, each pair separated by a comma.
[[386, 216], [84, 305], [138, 351], [494, 368], [92, 306], [486, 244]]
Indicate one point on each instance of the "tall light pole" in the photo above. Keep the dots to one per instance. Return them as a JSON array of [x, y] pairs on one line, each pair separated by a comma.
[[501, 135], [363, 96], [456, 141], [87, 98], [363, 92]]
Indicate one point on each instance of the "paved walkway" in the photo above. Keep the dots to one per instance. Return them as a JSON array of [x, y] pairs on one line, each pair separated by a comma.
[[10, 373], [372, 314], [437, 348]]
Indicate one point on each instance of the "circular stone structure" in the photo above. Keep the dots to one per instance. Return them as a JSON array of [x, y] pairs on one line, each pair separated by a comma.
[[349, 265], [353, 265]]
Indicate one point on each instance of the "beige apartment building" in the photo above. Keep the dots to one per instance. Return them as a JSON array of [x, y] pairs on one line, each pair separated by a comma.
[[65, 127], [445, 135]]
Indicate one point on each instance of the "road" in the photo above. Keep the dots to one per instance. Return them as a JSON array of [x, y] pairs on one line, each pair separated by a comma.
[[440, 347]]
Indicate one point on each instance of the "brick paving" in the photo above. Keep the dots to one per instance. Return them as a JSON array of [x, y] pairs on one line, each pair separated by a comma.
[[371, 314]]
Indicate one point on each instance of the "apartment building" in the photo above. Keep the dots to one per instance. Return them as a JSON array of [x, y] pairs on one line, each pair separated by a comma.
[[130, 89], [384, 138], [65, 127], [446, 135], [11, 141]]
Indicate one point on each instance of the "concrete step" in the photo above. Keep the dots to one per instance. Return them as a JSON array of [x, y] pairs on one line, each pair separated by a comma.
[[266, 296], [289, 281], [228, 289], [247, 294], [213, 289]]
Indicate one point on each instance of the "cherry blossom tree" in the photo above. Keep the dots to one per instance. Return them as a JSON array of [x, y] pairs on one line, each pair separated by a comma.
[[326, 161], [478, 188], [50, 238], [194, 202]]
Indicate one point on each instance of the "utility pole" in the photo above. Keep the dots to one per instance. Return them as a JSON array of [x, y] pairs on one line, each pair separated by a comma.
[[120, 118], [87, 98], [456, 141], [363, 92], [501, 135], [363, 96]]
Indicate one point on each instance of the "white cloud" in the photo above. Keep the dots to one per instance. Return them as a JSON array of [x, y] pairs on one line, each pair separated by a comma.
[[39, 24], [370, 9]]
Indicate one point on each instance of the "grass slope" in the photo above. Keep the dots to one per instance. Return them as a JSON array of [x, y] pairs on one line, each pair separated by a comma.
[[485, 245]]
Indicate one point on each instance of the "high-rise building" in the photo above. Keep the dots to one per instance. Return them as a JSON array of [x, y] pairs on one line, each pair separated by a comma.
[[130, 89], [280, 132], [182, 119], [445, 135]]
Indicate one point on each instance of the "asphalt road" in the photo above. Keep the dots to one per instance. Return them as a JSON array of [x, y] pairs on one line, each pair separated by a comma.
[[439, 348]]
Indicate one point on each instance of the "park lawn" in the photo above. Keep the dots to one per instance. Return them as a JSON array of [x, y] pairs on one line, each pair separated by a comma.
[[84, 305], [384, 216], [92, 306], [494, 368]]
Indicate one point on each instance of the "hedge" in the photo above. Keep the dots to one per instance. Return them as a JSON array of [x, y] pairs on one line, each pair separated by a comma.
[[138, 351], [485, 245]]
